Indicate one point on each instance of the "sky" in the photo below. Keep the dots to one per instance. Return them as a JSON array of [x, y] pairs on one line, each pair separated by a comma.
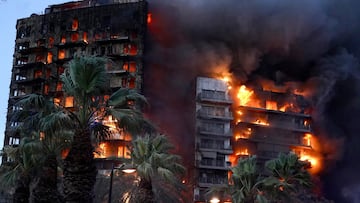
[[10, 11]]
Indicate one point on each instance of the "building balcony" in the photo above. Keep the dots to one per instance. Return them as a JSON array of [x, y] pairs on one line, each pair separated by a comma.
[[212, 99], [222, 116], [112, 39], [29, 65], [214, 147], [214, 164], [70, 44], [30, 80], [211, 181], [215, 132], [28, 50], [280, 125]]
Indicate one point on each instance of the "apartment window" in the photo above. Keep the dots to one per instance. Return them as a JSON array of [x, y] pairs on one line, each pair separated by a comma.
[[85, 36], [63, 39], [40, 42], [130, 67], [69, 102], [37, 73], [19, 77], [75, 37], [46, 89], [206, 143], [57, 101], [51, 42], [123, 152], [59, 86], [22, 61], [213, 127], [60, 70], [132, 83], [211, 94], [75, 24], [130, 49], [61, 54], [49, 57], [39, 58], [212, 110], [48, 73]]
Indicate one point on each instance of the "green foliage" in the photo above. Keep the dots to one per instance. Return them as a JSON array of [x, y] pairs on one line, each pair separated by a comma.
[[157, 166], [284, 180]]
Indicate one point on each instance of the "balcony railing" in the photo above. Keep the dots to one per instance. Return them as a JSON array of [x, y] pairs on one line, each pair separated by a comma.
[[216, 99], [214, 164], [215, 131], [225, 115], [213, 180], [216, 147]]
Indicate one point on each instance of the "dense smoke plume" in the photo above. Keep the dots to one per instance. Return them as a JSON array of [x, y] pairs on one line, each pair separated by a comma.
[[315, 43]]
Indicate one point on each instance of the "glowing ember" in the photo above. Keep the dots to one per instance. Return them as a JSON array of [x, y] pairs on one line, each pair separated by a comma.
[[244, 95]]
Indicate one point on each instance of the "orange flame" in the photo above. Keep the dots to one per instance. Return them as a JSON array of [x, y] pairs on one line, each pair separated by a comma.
[[244, 95], [149, 18]]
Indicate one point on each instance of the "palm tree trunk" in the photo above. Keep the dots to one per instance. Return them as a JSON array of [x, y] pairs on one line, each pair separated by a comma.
[[146, 188], [80, 169], [22, 190], [46, 188]]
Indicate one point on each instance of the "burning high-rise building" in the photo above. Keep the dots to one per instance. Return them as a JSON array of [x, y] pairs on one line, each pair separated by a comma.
[[45, 43]]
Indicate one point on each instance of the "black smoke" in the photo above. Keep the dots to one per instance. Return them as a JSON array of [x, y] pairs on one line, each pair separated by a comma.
[[316, 43]]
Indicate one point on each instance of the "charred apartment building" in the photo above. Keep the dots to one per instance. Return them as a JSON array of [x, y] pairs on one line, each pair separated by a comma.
[[45, 43], [235, 122]]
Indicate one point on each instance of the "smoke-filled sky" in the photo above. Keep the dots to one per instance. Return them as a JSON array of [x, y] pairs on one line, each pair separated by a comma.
[[316, 43]]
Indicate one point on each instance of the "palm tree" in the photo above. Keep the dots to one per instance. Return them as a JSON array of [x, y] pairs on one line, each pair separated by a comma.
[[85, 80], [45, 122], [158, 169], [289, 177], [245, 185], [19, 172]]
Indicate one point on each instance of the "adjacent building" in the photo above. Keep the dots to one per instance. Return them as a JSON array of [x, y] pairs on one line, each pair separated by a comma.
[[213, 135]]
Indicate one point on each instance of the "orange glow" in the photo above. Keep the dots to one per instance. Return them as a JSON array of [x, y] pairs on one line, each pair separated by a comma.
[[285, 107], [242, 152], [57, 101], [244, 95], [85, 37], [307, 139], [69, 102], [51, 42], [61, 54], [272, 105], [37, 74], [75, 24], [313, 161], [149, 18], [261, 122], [244, 134], [102, 151], [49, 57], [74, 37], [63, 40]]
